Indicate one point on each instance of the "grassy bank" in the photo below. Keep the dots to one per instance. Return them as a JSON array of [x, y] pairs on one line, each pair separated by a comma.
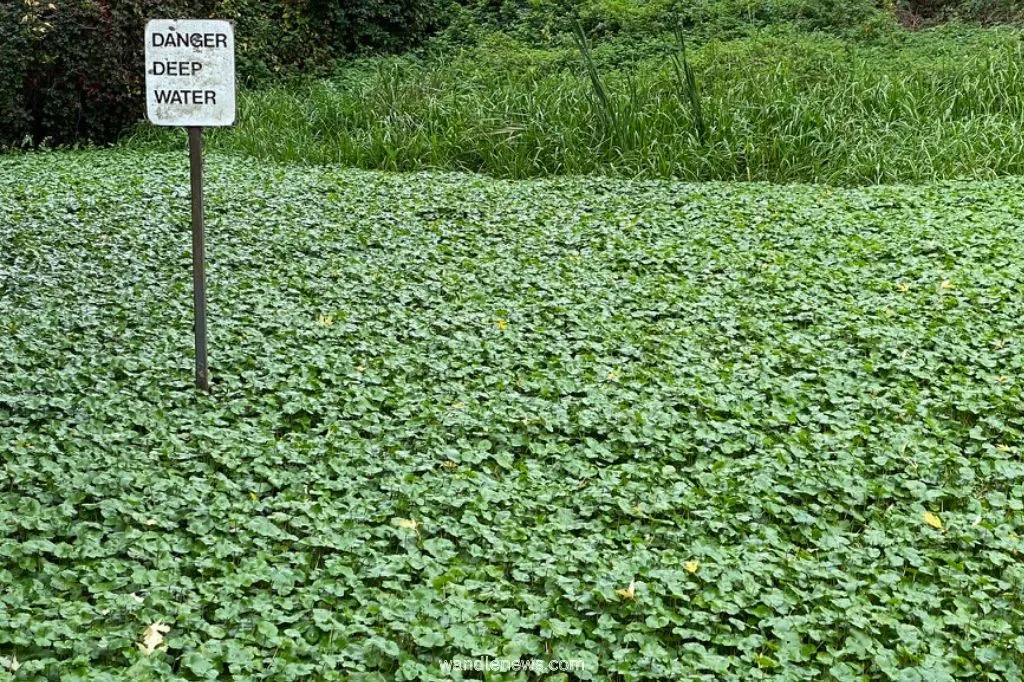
[[779, 107]]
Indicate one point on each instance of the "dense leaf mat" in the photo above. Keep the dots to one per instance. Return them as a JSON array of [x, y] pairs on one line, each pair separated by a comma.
[[457, 416]]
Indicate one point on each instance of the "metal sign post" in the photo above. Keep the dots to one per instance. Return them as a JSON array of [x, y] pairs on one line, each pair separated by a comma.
[[190, 82], [195, 155]]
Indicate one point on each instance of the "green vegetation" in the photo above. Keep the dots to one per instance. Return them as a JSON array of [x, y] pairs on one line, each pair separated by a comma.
[[71, 72], [672, 431], [461, 416], [777, 107]]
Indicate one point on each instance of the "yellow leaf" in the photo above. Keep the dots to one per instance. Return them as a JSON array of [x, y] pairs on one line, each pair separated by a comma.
[[459, 405], [325, 320], [692, 566], [153, 637], [904, 288], [408, 524], [946, 285], [502, 325], [253, 496], [1003, 448], [613, 375], [932, 520], [629, 592]]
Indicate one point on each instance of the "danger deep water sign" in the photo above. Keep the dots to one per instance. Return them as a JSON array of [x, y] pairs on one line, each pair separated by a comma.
[[190, 73]]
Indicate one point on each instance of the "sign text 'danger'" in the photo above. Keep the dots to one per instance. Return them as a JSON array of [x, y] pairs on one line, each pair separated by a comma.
[[190, 72]]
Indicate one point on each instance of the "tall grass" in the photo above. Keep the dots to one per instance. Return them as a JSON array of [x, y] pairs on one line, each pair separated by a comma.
[[602, 102], [688, 89], [771, 108]]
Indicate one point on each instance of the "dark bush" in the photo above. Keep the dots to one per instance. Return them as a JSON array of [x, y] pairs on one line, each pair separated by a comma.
[[72, 70], [14, 118]]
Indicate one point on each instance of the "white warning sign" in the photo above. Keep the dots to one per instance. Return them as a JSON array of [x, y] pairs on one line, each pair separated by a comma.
[[190, 72]]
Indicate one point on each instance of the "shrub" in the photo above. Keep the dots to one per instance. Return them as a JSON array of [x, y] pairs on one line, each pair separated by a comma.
[[73, 71], [14, 119], [544, 19], [985, 11], [376, 24]]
